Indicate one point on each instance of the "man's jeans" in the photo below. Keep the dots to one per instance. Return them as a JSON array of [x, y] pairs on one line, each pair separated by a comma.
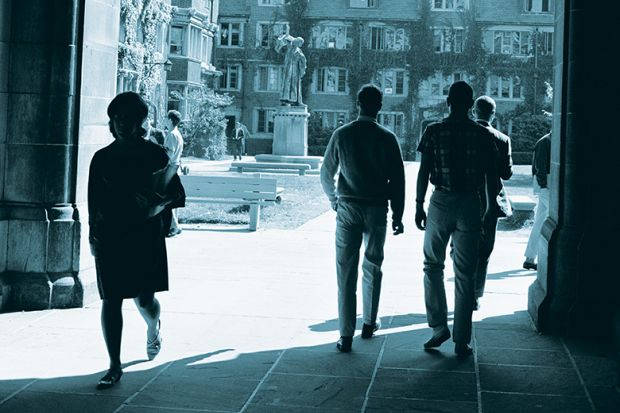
[[455, 215], [356, 222], [542, 211], [487, 242]]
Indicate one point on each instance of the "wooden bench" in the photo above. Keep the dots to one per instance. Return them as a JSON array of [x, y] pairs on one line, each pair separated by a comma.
[[257, 166], [254, 191]]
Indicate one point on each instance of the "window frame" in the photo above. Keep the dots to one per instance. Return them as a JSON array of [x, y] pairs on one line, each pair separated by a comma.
[[269, 25], [444, 3], [453, 33], [510, 87], [319, 74], [270, 76], [226, 74], [269, 126], [395, 72], [230, 32], [400, 131], [319, 29], [387, 31], [326, 121]]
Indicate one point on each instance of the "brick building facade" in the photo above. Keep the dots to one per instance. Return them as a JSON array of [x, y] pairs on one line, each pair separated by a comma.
[[412, 49]]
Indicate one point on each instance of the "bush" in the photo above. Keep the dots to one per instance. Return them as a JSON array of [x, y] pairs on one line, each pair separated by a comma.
[[204, 132], [318, 136], [527, 129]]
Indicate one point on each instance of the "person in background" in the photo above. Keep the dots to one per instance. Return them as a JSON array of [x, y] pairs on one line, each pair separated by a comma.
[[239, 137], [541, 163], [371, 174], [173, 144], [484, 113]]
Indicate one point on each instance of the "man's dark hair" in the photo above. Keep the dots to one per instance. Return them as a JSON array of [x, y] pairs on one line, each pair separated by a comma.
[[174, 116], [484, 106], [370, 99], [130, 104], [461, 95]]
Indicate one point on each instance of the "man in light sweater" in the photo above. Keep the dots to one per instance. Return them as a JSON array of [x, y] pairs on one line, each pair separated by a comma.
[[371, 174]]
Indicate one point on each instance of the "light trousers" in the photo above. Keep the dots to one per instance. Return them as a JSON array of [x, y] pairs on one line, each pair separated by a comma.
[[542, 211], [455, 215], [356, 223]]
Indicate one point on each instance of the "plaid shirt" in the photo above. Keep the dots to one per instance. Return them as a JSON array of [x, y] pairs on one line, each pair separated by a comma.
[[461, 151]]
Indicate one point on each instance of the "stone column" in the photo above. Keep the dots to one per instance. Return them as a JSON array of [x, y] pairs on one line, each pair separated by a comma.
[[56, 83], [290, 134], [577, 284]]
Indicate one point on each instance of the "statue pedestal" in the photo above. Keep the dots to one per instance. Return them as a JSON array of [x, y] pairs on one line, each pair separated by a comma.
[[290, 132]]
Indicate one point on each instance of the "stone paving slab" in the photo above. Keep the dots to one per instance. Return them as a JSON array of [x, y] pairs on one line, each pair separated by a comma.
[[250, 323]]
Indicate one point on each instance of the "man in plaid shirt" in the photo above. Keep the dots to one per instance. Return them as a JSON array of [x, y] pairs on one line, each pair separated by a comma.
[[458, 157]]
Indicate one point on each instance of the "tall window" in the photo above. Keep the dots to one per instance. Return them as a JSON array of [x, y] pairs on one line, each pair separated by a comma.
[[273, 2], [268, 78], [363, 4], [266, 33], [231, 77], [177, 34], [331, 118], [394, 121], [264, 120], [331, 80], [449, 4], [195, 42], [231, 34], [448, 40], [539, 6], [391, 81], [545, 43], [505, 87], [207, 45], [440, 83], [331, 36], [512, 42], [387, 38]]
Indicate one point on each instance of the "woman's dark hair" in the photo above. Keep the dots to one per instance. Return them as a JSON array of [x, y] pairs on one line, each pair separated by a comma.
[[130, 104]]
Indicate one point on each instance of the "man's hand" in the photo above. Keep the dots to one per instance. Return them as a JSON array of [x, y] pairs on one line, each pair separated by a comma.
[[420, 218], [398, 227]]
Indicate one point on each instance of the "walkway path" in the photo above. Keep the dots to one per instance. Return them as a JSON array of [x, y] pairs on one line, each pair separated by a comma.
[[249, 325]]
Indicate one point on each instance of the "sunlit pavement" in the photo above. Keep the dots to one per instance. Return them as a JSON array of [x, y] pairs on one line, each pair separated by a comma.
[[249, 324]]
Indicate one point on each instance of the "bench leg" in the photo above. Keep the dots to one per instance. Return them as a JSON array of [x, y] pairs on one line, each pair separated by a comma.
[[302, 172], [240, 169], [254, 216]]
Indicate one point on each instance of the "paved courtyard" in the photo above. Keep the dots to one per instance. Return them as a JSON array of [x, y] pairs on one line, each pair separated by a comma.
[[249, 325]]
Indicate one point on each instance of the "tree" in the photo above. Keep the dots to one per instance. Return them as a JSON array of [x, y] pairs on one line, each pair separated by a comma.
[[204, 132]]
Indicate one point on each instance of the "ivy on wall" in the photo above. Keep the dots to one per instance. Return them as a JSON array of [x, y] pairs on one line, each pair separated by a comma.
[[421, 62], [137, 53]]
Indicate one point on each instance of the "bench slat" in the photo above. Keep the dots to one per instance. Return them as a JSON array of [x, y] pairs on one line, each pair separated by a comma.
[[231, 180]]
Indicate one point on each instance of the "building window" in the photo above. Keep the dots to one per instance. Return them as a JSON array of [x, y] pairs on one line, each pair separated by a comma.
[[440, 83], [394, 121], [268, 78], [231, 77], [273, 2], [195, 42], [512, 42], [505, 87], [545, 43], [177, 34], [391, 81], [387, 38], [331, 36], [448, 40], [207, 45], [331, 118], [264, 120], [176, 97], [266, 33], [231, 34], [539, 6], [331, 80], [363, 4], [449, 4]]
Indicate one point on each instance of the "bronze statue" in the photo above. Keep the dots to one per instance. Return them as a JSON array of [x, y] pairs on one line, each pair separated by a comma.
[[294, 69]]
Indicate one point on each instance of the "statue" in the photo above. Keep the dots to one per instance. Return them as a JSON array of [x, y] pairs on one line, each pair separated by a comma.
[[294, 69]]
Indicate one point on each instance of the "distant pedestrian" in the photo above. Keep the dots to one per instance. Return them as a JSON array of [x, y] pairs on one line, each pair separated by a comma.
[[541, 166], [484, 112], [458, 157], [126, 227], [173, 143], [156, 136], [238, 139], [371, 174]]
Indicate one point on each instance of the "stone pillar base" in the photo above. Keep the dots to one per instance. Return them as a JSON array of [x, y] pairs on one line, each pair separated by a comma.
[[290, 135]]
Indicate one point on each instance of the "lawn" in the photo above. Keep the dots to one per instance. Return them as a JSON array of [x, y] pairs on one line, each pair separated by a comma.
[[302, 200]]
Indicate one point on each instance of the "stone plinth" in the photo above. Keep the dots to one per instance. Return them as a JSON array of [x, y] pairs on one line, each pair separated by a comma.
[[290, 135]]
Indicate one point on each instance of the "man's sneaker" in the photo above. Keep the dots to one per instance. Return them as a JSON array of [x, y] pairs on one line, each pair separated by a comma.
[[368, 330], [440, 334], [530, 265], [344, 344], [173, 232]]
